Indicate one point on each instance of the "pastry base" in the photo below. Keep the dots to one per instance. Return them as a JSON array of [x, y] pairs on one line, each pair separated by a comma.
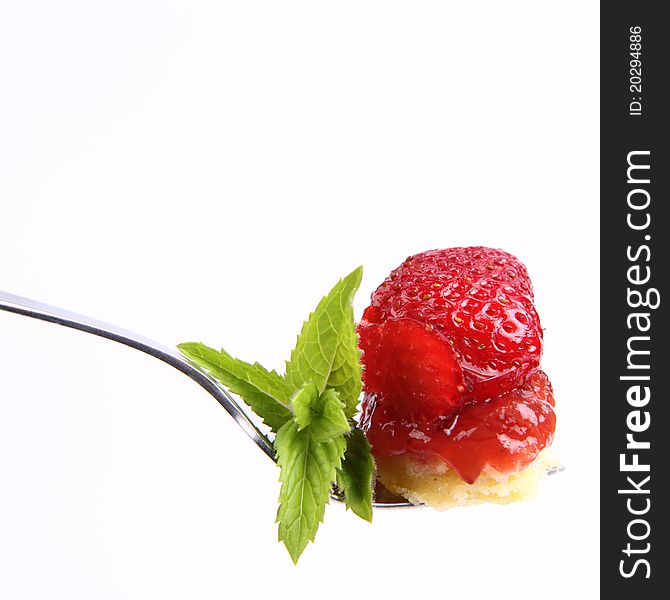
[[428, 480]]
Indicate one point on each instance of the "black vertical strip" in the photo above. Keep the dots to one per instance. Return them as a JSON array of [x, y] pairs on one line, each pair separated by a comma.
[[635, 356]]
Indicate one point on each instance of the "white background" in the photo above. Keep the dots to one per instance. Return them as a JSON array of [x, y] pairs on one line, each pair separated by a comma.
[[206, 171]]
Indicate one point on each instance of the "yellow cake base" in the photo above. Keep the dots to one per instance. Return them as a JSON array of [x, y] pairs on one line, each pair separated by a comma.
[[430, 481]]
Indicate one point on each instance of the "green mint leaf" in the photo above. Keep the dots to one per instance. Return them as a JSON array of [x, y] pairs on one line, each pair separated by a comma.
[[302, 403], [346, 374], [326, 352], [330, 420], [354, 478], [266, 392], [308, 469], [324, 414]]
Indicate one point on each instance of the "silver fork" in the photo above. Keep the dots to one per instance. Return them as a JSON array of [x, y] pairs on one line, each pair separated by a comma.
[[44, 312]]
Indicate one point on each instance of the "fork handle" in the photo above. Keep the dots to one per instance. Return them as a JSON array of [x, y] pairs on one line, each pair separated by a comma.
[[52, 314]]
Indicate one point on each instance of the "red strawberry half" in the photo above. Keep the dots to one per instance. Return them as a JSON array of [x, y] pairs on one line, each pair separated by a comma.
[[448, 331], [413, 367]]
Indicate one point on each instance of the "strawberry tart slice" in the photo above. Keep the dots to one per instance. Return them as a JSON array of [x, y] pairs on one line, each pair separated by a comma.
[[456, 407]]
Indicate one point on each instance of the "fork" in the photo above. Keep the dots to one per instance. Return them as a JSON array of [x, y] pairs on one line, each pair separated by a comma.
[[52, 314], [12, 303]]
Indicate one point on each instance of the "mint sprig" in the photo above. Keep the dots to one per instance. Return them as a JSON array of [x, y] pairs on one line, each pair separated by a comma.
[[311, 410]]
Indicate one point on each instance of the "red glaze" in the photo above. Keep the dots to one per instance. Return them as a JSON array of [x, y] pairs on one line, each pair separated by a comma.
[[480, 300], [451, 346], [506, 433]]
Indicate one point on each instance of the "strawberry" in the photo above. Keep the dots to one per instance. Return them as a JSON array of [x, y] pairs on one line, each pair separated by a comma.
[[506, 433], [478, 300], [410, 364], [451, 348]]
